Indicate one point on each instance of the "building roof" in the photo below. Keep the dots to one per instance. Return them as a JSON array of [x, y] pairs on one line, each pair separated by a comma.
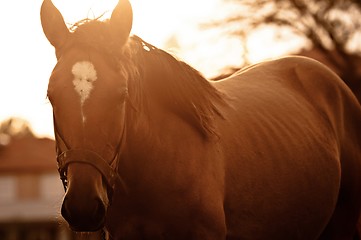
[[27, 154]]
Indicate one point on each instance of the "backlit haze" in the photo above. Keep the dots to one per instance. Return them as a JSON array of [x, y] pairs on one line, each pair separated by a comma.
[[27, 59]]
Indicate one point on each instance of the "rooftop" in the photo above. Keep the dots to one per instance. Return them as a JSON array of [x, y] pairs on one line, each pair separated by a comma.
[[27, 154]]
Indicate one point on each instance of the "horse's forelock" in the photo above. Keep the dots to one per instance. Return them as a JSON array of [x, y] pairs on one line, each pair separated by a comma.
[[96, 34]]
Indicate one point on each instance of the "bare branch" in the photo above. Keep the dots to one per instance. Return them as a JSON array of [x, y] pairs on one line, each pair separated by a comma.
[[332, 26]]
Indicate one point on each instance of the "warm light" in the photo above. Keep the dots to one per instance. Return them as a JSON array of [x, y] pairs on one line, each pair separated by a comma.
[[175, 26], [27, 58], [156, 20], [74, 11], [148, 15]]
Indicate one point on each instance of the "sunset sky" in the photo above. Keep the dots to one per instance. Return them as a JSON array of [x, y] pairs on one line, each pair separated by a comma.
[[27, 59]]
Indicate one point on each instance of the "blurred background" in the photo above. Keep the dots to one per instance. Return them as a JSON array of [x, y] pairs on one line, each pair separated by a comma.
[[217, 37]]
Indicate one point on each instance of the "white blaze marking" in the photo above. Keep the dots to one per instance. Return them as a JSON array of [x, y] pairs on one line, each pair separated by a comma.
[[84, 76]]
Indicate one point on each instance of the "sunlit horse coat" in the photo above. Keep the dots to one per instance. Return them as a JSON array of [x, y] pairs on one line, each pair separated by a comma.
[[272, 152]]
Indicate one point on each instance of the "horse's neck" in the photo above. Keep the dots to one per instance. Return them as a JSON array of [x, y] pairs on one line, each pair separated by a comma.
[[150, 131]]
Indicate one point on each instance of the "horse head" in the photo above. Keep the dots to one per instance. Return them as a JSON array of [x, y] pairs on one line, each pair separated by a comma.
[[87, 92]]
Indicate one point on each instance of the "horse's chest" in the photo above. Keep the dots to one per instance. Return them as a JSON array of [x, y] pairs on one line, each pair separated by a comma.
[[139, 227]]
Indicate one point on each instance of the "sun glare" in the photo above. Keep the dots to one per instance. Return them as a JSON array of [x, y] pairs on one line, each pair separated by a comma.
[[147, 14], [175, 26], [168, 24], [74, 11], [156, 20]]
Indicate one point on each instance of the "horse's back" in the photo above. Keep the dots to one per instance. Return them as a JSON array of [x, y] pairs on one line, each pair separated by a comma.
[[291, 145]]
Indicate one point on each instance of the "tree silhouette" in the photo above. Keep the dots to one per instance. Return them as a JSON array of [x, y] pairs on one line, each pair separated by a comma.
[[332, 27], [15, 127]]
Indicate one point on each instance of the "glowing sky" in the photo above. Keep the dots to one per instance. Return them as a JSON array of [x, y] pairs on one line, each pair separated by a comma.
[[27, 59]]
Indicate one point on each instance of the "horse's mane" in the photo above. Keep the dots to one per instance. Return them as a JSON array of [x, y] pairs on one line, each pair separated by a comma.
[[187, 91]]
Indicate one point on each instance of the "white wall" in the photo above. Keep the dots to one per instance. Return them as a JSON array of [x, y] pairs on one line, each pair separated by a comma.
[[44, 206]]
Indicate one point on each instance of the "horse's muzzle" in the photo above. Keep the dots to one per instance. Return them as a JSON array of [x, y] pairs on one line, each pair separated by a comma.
[[86, 216]]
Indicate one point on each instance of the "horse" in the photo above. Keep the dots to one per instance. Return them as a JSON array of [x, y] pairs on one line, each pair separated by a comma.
[[148, 148]]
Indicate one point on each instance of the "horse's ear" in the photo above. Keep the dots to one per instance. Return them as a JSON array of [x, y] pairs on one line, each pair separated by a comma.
[[121, 21], [53, 24]]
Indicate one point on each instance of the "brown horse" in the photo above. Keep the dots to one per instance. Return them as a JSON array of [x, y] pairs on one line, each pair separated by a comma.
[[149, 149]]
